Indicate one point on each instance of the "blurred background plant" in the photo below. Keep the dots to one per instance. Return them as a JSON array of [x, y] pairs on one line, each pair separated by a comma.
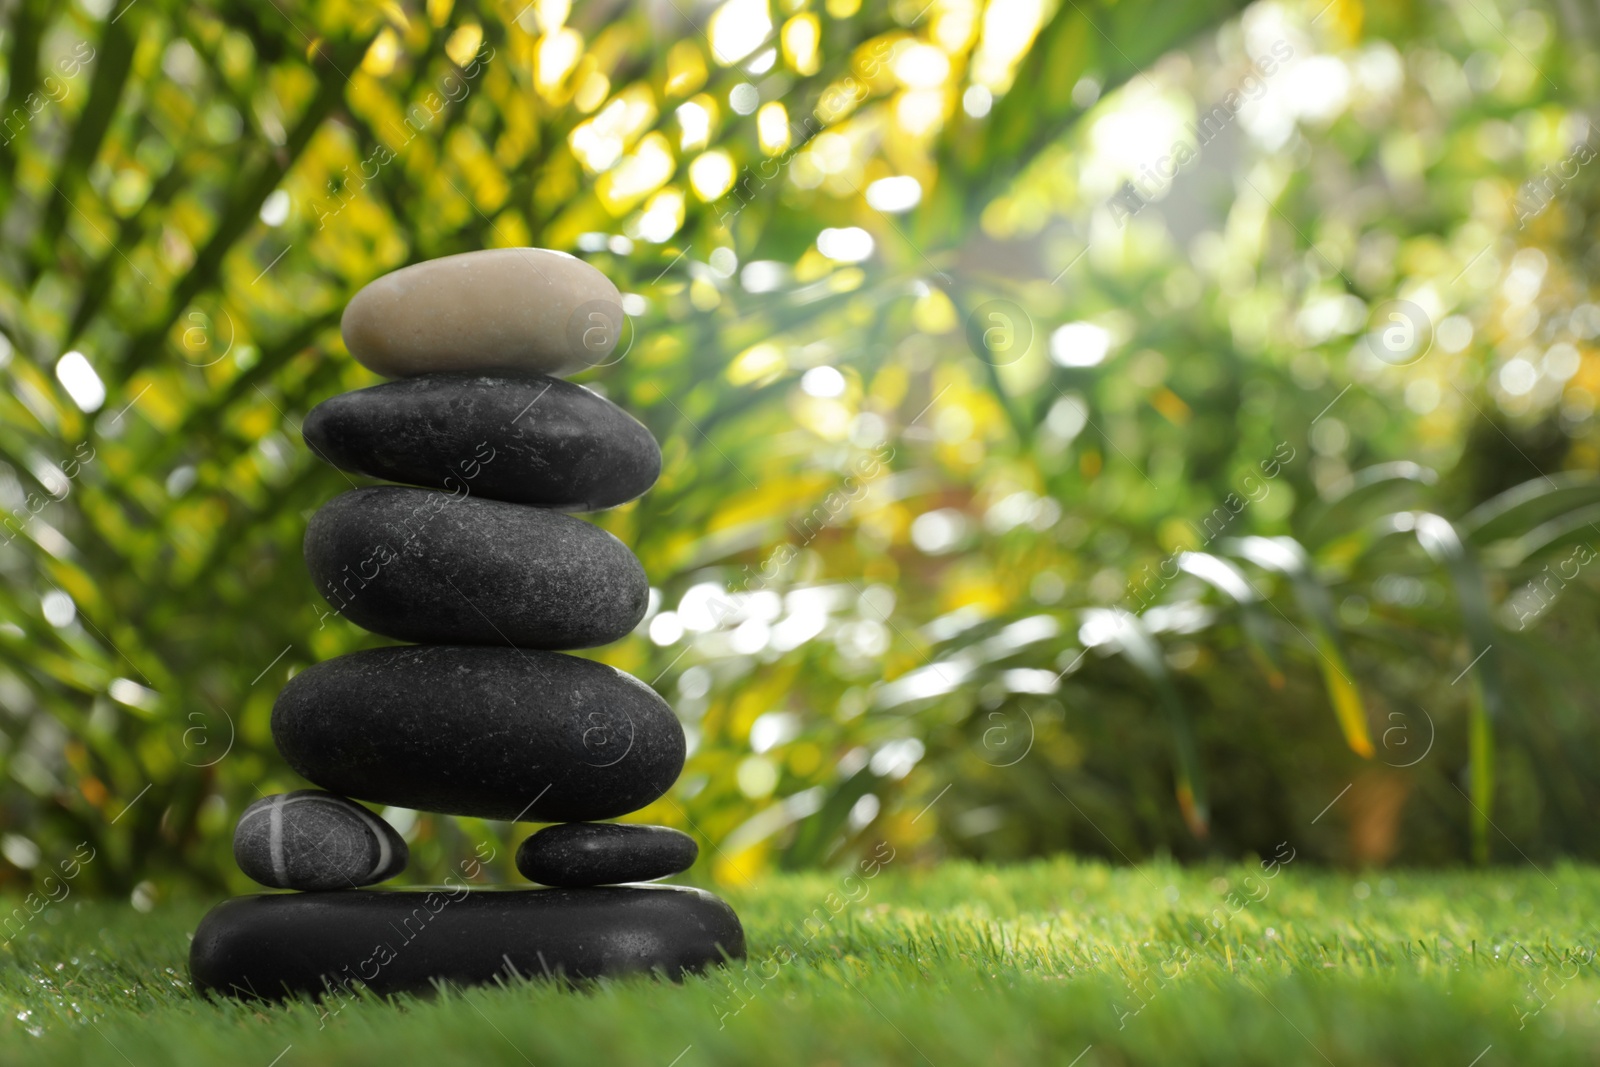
[[1138, 428]]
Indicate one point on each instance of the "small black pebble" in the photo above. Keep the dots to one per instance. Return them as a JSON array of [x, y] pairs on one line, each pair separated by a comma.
[[309, 839], [578, 854]]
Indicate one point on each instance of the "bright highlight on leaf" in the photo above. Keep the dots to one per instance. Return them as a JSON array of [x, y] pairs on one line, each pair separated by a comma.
[[58, 609], [694, 120], [1080, 344], [662, 217], [275, 208], [738, 28], [555, 57], [464, 44], [599, 142], [772, 128], [755, 363], [823, 382], [646, 169], [686, 68], [801, 35], [380, 58], [848, 244], [80, 381], [552, 14], [1009, 27], [921, 66], [711, 174], [895, 195]]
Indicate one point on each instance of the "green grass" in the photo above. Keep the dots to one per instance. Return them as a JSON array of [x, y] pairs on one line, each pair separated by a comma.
[[957, 964]]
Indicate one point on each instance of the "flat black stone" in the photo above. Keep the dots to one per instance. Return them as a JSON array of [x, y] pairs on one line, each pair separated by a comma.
[[309, 839], [527, 438], [277, 945], [589, 853], [496, 733], [421, 565]]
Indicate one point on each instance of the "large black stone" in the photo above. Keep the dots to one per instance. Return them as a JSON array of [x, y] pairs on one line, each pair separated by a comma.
[[275, 945], [421, 565], [497, 733], [590, 853], [526, 438]]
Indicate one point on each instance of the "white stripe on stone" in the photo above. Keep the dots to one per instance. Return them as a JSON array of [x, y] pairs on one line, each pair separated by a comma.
[[280, 866], [377, 826]]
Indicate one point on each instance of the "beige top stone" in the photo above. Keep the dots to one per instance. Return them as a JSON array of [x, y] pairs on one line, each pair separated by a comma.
[[526, 309]]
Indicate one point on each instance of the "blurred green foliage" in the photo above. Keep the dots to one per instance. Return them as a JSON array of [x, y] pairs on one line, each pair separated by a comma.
[[1029, 484]]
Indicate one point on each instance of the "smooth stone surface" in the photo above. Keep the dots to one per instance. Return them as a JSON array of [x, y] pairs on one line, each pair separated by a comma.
[[275, 945], [421, 565], [309, 839], [587, 853], [497, 733], [528, 439], [497, 309]]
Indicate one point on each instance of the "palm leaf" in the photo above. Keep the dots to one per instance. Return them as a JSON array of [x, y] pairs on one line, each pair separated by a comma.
[[1127, 635], [1442, 542], [1574, 527], [1230, 581], [1286, 556], [1531, 504], [1350, 503]]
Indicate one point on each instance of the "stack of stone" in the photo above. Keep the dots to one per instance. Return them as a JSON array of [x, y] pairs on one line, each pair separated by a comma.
[[474, 560]]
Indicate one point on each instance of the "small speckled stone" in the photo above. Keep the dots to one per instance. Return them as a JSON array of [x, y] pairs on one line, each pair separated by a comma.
[[578, 854], [528, 439], [496, 733], [277, 945], [421, 565], [309, 839], [518, 309]]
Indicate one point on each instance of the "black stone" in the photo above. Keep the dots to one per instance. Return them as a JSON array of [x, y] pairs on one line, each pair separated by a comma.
[[497, 733], [276, 945], [421, 565], [527, 438], [309, 839], [587, 853]]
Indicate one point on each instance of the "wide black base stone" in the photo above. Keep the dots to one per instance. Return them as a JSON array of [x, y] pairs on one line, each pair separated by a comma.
[[275, 945]]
